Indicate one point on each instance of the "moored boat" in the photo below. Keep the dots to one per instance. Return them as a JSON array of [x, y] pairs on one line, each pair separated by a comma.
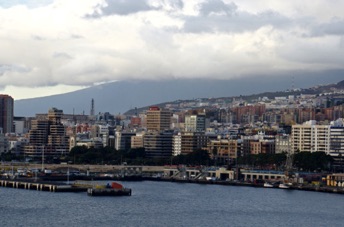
[[115, 189], [268, 185], [283, 186]]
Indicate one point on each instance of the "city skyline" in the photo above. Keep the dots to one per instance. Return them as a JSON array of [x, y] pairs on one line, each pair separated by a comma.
[[55, 46]]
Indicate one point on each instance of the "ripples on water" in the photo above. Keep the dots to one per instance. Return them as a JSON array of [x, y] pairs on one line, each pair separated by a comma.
[[173, 204]]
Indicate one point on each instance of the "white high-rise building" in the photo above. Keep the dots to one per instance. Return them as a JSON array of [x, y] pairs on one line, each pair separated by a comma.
[[310, 137]]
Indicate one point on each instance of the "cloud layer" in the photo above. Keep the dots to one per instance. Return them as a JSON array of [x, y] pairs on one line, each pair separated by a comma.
[[84, 42]]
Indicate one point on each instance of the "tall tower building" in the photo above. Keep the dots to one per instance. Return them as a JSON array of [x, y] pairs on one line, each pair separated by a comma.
[[6, 113], [158, 119], [92, 108]]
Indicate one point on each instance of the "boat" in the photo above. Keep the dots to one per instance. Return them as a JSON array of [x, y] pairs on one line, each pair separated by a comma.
[[115, 189], [283, 186], [268, 185]]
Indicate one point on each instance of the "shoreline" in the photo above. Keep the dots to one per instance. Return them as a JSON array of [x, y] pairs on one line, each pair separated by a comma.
[[53, 181]]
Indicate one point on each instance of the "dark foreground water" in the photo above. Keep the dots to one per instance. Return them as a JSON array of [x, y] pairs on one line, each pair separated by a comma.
[[173, 204]]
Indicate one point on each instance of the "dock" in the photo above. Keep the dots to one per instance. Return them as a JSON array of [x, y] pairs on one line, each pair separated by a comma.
[[92, 188], [41, 186]]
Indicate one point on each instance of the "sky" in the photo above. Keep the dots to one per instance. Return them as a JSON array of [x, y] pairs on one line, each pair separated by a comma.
[[55, 46]]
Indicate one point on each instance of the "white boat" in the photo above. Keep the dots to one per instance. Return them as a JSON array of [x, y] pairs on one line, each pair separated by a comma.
[[268, 185], [284, 186]]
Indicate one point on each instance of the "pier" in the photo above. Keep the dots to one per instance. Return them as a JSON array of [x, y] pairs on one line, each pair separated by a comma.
[[41, 186]]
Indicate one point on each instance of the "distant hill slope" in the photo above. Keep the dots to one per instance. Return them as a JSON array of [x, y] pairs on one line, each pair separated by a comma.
[[313, 90], [118, 97]]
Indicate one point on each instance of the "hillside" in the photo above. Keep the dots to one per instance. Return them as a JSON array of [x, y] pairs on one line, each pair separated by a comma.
[[119, 97], [313, 90]]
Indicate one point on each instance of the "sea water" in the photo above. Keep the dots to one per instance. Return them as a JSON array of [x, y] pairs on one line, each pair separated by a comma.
[[173, 204]]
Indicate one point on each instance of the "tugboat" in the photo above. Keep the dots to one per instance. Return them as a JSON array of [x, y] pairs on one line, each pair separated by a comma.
[[115, 189]]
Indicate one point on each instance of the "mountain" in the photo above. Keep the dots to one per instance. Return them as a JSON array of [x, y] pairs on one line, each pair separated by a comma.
[[118, 97]]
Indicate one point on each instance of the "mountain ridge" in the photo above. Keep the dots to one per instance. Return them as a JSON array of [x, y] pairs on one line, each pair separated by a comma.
[[121, 96]]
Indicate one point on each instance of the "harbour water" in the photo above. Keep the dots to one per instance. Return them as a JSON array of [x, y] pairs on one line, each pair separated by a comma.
[[173, 204]]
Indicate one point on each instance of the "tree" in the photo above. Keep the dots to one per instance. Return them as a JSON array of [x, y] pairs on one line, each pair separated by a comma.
[[315, 161]]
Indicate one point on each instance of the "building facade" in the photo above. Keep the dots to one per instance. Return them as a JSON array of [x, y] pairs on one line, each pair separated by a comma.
[[158, 144], [310, 137], [158, 119], [195, 123], [47, 137], [6, 113]]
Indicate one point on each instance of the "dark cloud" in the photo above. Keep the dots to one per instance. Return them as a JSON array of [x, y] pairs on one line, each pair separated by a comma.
[[74, 36], [62, 55], [28, 3], [335, 27], [216, 15], [37, 38], [126, 7], [217, 6], [13, 68], [122, 7]]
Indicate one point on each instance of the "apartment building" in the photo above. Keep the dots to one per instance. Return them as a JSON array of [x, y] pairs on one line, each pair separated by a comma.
[[47, 137], [310, 137], [192, 141], [137, 141], [177, 144], [158, 144], [123, 140], [223, 149], [282, 144], [195, 123], [337, 143], [158, 119]]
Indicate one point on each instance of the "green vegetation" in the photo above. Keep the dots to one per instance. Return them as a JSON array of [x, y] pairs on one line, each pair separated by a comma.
[[316, 161], [264, 161], [107, 155], [302, 161], [8, 156], [199, 157]]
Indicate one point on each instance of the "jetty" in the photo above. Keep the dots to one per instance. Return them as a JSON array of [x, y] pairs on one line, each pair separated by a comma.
[[41, 186], [92, 188]]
